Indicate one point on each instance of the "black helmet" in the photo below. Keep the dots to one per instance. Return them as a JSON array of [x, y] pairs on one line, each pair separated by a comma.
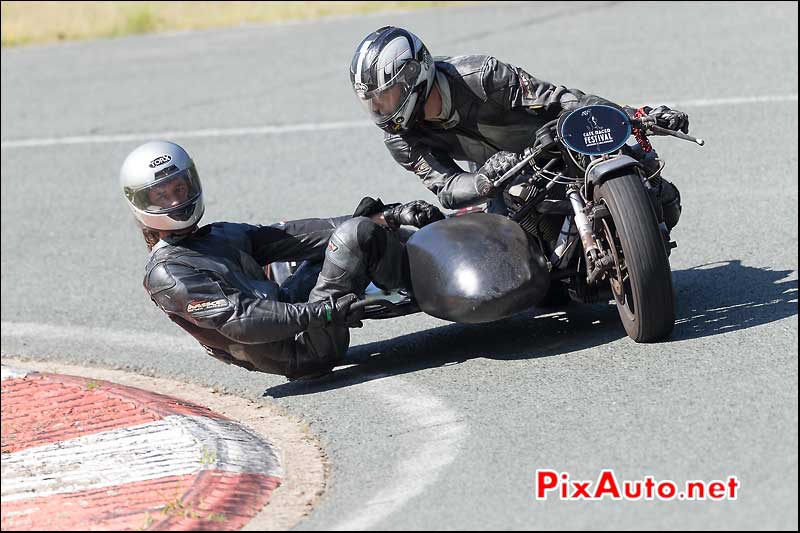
[[392, 74]]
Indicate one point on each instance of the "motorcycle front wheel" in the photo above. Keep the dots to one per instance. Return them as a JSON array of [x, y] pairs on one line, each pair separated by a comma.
[[641, 279]]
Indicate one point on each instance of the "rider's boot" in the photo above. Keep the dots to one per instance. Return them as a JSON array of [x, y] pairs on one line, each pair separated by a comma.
[[664, 195], [670, 203]]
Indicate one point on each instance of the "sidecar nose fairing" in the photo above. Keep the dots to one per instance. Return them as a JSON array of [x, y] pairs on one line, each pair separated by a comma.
[[475, 268]]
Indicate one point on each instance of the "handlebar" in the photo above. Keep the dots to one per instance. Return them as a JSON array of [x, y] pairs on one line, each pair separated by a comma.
[[648, 124], [377, 308], [376, 301], [679, 134]]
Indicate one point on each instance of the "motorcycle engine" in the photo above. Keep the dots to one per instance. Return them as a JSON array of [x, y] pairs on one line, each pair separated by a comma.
[[519, 192], [545, 227]]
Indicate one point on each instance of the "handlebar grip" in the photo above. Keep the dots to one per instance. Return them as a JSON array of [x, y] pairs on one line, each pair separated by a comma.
[[377, 301], [358, 305], [678, 134]]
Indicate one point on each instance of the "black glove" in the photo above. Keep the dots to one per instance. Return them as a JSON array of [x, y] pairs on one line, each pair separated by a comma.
[[369, 206], [671, 119], [418, 213], [484, 186], [337, 312], [493, 168]]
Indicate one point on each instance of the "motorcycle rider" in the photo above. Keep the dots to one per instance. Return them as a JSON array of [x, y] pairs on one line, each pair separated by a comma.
[[477, 109], [211, 280]]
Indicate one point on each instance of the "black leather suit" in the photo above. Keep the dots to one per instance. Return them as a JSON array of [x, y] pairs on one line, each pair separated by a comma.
[[488, 106], [213, 285]]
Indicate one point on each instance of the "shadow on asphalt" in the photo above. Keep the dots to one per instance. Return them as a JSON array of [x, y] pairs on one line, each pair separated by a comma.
[[712, 299], [716, 298]]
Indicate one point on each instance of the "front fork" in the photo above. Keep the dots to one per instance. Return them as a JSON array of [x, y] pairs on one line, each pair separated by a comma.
[[598, 261]]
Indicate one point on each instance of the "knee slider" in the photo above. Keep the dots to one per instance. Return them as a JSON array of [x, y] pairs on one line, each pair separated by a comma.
[[360, 234]]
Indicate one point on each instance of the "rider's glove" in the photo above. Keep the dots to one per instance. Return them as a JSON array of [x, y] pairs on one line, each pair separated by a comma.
[[494, 168], [369, 206], [336, 312], [671, 119], [484, 186], [418, 213]]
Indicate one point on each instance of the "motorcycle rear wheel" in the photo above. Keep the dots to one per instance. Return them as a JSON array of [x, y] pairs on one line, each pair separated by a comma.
[[641, 279]]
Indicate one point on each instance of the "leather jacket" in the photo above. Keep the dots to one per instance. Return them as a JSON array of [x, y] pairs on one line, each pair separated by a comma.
[[212, 284], [487, 106]]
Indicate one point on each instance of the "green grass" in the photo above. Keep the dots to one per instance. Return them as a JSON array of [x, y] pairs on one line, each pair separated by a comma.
[[207, 457], [139, 19], [26, 23]]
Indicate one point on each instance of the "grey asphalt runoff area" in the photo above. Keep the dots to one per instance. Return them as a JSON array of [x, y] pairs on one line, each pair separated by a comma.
[[439, 425]]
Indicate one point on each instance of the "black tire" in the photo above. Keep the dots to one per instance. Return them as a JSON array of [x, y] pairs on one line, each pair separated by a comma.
[[645, 298]]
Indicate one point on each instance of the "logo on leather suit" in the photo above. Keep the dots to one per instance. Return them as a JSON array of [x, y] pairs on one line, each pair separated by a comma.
[[198, 306]]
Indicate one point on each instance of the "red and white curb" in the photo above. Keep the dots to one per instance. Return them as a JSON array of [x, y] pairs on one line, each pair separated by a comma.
[[80, 454]]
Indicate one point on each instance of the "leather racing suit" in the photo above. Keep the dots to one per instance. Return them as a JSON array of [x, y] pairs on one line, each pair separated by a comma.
[[212, 284], [488, 106]]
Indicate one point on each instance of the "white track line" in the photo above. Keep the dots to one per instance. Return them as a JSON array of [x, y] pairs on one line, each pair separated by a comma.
[[766, 99], [318, 126], [436, 428], [216, 132], [103, 336], [438, 436]]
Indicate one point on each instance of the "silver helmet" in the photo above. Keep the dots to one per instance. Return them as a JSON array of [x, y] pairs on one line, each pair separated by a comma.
[[162, 187], [392, 74]]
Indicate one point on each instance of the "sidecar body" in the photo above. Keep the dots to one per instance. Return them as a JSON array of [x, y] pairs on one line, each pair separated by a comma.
[[475, 268]]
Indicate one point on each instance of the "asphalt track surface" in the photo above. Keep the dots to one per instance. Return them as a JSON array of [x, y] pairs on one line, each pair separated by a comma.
[[438, 425]]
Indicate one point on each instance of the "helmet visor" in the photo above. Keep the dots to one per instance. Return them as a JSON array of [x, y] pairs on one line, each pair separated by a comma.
[[167, 194], [383, 103]]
